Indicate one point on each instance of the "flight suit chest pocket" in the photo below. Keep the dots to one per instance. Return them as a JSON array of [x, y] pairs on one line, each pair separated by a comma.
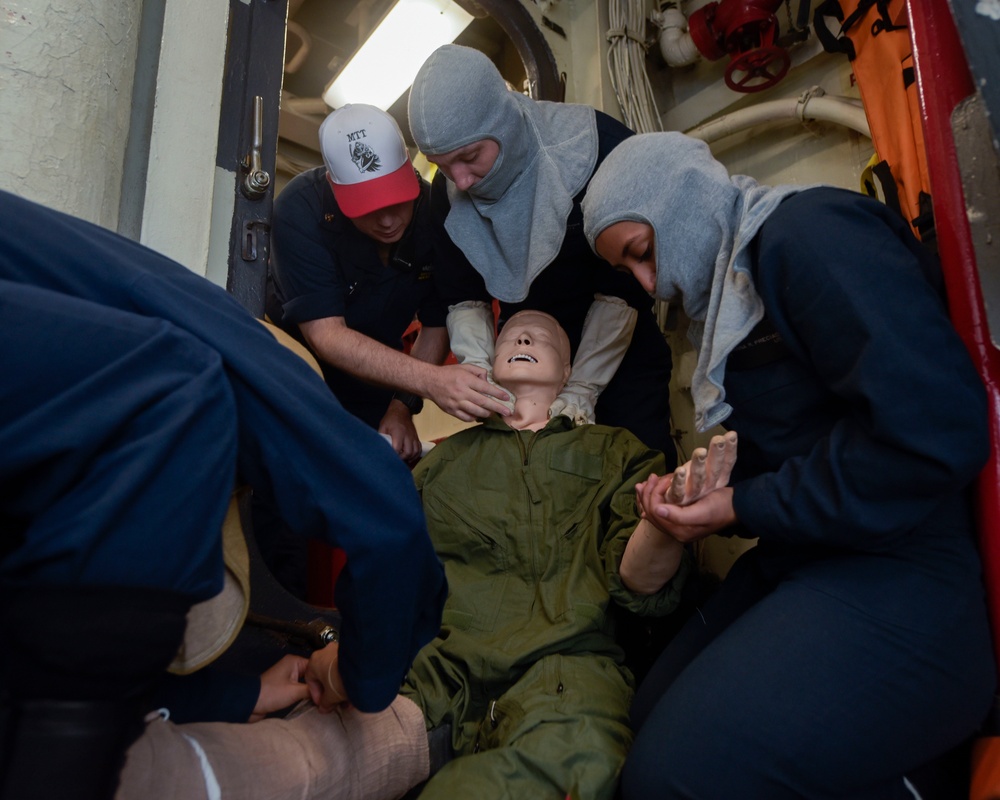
[[575, 477]]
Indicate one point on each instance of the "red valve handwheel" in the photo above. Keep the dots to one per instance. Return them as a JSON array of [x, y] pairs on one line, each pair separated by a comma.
[[757, 69]]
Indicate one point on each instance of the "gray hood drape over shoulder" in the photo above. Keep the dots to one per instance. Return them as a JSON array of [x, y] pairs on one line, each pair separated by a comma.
[[703, 221], [512, 223]]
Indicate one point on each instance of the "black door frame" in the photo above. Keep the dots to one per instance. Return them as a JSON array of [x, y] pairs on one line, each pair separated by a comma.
[[254, 47], [256, 43]]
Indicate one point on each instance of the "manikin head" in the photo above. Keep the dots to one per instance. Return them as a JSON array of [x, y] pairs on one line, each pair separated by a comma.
[[532, 359]]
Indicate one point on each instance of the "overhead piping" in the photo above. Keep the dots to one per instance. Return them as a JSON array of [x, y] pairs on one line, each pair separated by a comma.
[[676, 44], [745, 30], [811, 105]]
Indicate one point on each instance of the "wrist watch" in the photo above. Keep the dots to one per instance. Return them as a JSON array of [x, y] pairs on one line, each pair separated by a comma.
[[413, 402]]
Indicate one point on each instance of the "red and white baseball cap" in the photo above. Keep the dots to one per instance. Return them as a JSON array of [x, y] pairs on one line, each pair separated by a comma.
[[366, 159]]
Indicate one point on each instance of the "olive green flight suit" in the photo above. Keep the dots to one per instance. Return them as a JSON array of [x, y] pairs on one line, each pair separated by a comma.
[[531, 527]]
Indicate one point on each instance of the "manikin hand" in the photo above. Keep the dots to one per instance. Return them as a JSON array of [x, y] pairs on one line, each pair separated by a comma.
[[709, 469], [280, 686], [397, 424], [326, 688], [666, 501]]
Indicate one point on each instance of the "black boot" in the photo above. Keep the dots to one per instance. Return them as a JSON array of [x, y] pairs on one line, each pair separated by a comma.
[[65, 749], [439, 745], [77, 668]]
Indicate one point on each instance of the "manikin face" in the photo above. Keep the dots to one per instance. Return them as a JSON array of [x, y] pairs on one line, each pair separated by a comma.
[[630, 246], [468, 165], [532, 348], [386, 225]]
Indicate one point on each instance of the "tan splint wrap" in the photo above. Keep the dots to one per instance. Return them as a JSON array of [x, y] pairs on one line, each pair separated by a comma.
[[344, 755]]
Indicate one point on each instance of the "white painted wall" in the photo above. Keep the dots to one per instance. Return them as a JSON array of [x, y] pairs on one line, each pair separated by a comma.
[[181, 179], [66, 76], [66, 73], [582, 53]]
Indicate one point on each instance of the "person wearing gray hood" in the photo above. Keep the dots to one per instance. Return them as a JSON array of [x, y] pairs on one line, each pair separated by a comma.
[[506, 203], [851, 645]]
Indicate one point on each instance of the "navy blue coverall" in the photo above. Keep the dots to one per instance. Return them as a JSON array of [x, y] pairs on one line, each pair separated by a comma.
[[851, 644], [136, 394], [323, 266]]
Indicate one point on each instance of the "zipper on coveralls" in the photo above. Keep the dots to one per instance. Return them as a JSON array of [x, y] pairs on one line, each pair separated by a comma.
[[534, 495], [525, 453], [525, 450]]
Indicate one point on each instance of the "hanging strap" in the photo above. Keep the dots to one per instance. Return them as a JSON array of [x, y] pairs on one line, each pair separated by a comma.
[[840, 42], [802, 18], [832, 42]]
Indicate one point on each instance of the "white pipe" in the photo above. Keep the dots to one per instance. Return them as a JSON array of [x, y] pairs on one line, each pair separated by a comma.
[[676, 44], [296, 60], [813, 107], [305, 105]]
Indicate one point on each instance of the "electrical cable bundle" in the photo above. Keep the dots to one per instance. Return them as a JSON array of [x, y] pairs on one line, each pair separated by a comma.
[[627, 65]]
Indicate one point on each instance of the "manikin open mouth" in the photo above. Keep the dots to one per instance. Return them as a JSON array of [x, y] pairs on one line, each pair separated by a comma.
[[522, 357]]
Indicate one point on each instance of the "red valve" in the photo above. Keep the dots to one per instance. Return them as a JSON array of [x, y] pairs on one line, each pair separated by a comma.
[[747, 31], [757, 69]]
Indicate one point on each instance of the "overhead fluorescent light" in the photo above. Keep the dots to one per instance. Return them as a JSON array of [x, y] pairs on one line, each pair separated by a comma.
[[388, 61]]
